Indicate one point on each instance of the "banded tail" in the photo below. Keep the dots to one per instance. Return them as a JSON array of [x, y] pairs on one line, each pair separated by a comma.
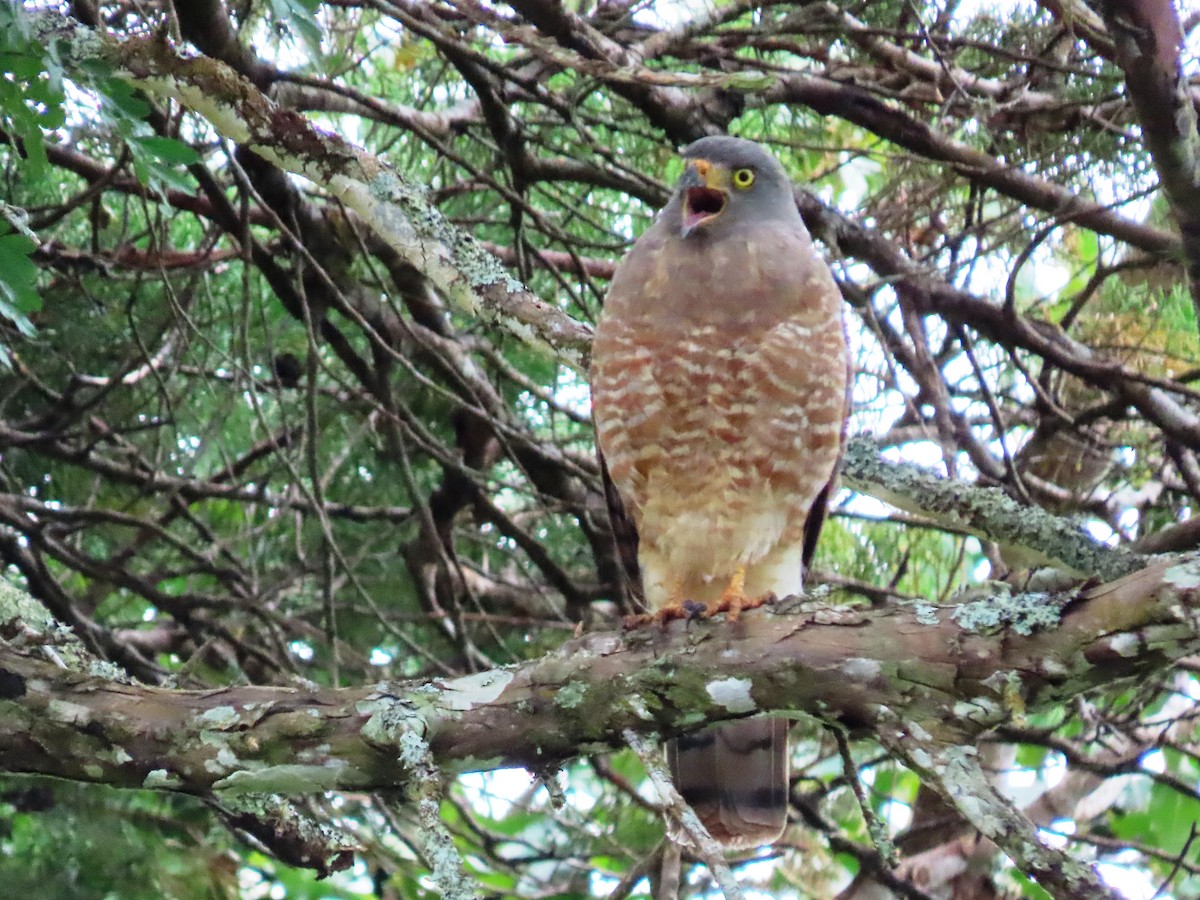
[[735, 777]]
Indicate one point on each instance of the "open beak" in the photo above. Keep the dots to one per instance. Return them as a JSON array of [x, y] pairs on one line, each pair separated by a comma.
[[704, 194]]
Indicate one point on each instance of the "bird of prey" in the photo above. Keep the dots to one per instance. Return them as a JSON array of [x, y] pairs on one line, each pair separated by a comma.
[[719, 391]]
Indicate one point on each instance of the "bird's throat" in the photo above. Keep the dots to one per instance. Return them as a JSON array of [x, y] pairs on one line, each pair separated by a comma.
[[700, 206]]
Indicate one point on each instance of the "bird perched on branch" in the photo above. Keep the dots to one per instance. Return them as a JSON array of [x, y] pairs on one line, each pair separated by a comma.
[[719, 376]]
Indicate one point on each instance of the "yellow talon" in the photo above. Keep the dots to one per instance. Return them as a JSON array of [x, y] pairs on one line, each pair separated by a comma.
[[733, 599], [676, 607]]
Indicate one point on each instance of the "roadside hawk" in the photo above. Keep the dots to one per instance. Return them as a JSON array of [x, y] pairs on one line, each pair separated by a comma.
[[719, 374]]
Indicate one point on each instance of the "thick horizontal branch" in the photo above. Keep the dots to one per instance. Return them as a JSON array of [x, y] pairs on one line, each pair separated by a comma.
[[955, 670]]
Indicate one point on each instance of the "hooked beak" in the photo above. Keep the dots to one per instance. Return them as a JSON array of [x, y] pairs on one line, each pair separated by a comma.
[[704, 194]]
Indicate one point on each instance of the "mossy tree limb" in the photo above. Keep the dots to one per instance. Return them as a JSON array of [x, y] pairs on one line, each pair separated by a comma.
[[957, 671]]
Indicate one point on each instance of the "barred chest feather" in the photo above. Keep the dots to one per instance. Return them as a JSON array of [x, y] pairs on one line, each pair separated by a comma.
[[719, 380], [720, 442]]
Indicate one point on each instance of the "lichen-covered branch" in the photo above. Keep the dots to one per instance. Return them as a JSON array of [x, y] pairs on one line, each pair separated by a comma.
[[1033, 535], [453, 261], [957, 671], [956, 775]]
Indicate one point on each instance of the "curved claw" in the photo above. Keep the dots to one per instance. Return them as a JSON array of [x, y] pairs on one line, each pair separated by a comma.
[[733, 605], [680, 608], [731, 602]]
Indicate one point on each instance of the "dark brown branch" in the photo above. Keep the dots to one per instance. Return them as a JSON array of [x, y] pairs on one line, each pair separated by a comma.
[[1148, 40]]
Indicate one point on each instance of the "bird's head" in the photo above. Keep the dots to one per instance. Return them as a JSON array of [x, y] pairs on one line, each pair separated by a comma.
[[729, 180]]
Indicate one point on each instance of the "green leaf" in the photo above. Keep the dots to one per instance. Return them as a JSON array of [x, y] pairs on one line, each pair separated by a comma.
[[300, 16], [153, 170], [128, 102], [18, 280], [168, 150]]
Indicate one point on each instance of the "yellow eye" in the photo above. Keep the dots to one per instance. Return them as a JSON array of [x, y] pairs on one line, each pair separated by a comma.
[[743, 178]]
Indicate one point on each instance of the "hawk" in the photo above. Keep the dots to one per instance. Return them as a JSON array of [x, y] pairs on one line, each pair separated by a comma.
[[719, 391]]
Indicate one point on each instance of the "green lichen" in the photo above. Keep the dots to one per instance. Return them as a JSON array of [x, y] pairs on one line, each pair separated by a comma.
[[390, 719], [926, 613], [570, 695], [1022, 613], [109, 671], [16, 605], [1033, 535], [284, 779], [219, 717]]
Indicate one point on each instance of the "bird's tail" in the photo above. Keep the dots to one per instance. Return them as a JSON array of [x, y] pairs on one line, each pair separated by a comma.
[[735, 777]]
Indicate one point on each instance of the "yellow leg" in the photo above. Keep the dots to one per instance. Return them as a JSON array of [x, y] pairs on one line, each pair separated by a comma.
[[733, 599], [678, 606], [736, 589]]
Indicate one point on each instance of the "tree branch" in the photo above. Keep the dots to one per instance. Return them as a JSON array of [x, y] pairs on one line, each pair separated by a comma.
[[958, 670], [1147, 41], [394, 206], [1037, 537]]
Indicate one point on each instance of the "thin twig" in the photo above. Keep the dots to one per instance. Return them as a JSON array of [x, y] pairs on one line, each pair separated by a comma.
[[685, 817]]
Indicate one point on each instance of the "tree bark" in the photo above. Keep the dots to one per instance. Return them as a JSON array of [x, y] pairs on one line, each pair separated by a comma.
[[955, 671]]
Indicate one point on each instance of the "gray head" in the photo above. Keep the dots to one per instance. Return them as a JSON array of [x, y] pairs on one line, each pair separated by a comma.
[[728, 182]]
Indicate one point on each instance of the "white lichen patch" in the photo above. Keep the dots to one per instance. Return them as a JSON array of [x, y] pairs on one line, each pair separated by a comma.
[[604, 644], [859, 668], [926, 613], [918, 732], [225, 760], [286, 779], [474, 690], [118, 755], [161, 778], [219, 717], [1185, 576], [733, 694], [979, 709], [68, 713], [222, 116], [637, 706], [1053, 667], [1124, 644]]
